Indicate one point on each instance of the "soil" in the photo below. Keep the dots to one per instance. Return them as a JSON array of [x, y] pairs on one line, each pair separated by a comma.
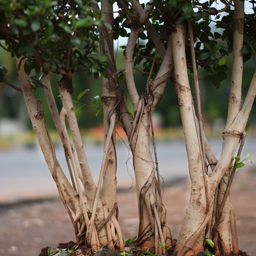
[[27, 227]]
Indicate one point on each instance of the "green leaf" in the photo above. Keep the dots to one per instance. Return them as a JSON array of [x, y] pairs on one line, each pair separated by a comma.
[[216, 47], [77, 110], [204, 55], [248, 155], [65, 27], [208, 69], [3, 70], [104, 72], [237, 158], [209, 242], [27, 68], [239, 165], [130, 240], [48, 31], [2, 78], [108, 25], [222, 61], [94, 68], [20, 23], [81, 94], [64, 253], [35, 25], [103, 57], [104, 64], [208, 253], [98, 112], [162, 245], [246, 49], [86, 62], [29, 50], [83, 22], [206, 45], [95, 99]]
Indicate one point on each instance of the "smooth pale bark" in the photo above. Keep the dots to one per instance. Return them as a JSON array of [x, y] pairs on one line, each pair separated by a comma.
[[235, 101], [36, 115], [150, 230], [235, 96], [86, 178], [151, 31], [157, 86], [197, 204], [128, 67], [109, 100], [232, 136]]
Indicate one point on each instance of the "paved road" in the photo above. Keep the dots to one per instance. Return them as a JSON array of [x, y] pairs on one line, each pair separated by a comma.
[[24, 174]]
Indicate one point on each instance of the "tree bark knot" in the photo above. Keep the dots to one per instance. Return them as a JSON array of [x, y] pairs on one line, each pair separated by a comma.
[[235, 133], [66, 83]]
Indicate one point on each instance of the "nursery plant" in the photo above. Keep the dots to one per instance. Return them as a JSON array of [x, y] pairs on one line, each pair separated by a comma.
[[166, 40]]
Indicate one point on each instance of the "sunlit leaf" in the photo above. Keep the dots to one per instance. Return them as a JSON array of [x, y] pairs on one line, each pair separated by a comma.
[[77, 110], [81, 94], [209, 242], [222, 61], [239, 165]]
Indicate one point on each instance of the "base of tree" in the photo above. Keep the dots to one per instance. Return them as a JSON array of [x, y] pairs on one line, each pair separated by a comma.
[[71, 249]]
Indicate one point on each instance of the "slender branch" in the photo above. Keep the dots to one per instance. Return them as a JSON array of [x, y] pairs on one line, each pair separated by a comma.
[[234, 232], [164, 73], [129, 67], [107, 144], [230, 181], [68, 58], [199, 110], [197, 5], [235, 95], [40, 61], [125, 9], [151, 31], [13, 86], [233, 135], [146, 12]]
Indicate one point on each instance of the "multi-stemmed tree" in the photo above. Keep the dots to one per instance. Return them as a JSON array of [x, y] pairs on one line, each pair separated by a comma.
[[167, 40]]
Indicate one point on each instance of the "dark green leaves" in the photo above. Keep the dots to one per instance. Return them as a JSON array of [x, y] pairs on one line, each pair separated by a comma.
[[20, 22], [218, 74], [42, 27], [35, 25], [87, 21], [239, 164], [81, 94], [3, 71]]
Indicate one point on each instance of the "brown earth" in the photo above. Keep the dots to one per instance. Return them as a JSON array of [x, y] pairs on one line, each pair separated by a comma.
[[26, 228]]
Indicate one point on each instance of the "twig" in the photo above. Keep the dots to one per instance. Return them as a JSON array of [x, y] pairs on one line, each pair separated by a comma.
[[108, 140], [199, 112], [13, 86]]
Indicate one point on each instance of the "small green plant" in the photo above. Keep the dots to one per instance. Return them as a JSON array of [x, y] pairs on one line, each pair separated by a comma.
[[99, 250], [125, 253], [240, 164], [61, 252], [163, 245], [208, 243], [148, 253], [130, 240]]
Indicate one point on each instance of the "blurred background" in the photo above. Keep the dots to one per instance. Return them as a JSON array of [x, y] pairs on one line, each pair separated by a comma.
[[28, 194]]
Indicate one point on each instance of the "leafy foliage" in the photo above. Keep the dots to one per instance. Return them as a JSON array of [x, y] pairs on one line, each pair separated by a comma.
[[56, 35], [212, 29], [240, 163]]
